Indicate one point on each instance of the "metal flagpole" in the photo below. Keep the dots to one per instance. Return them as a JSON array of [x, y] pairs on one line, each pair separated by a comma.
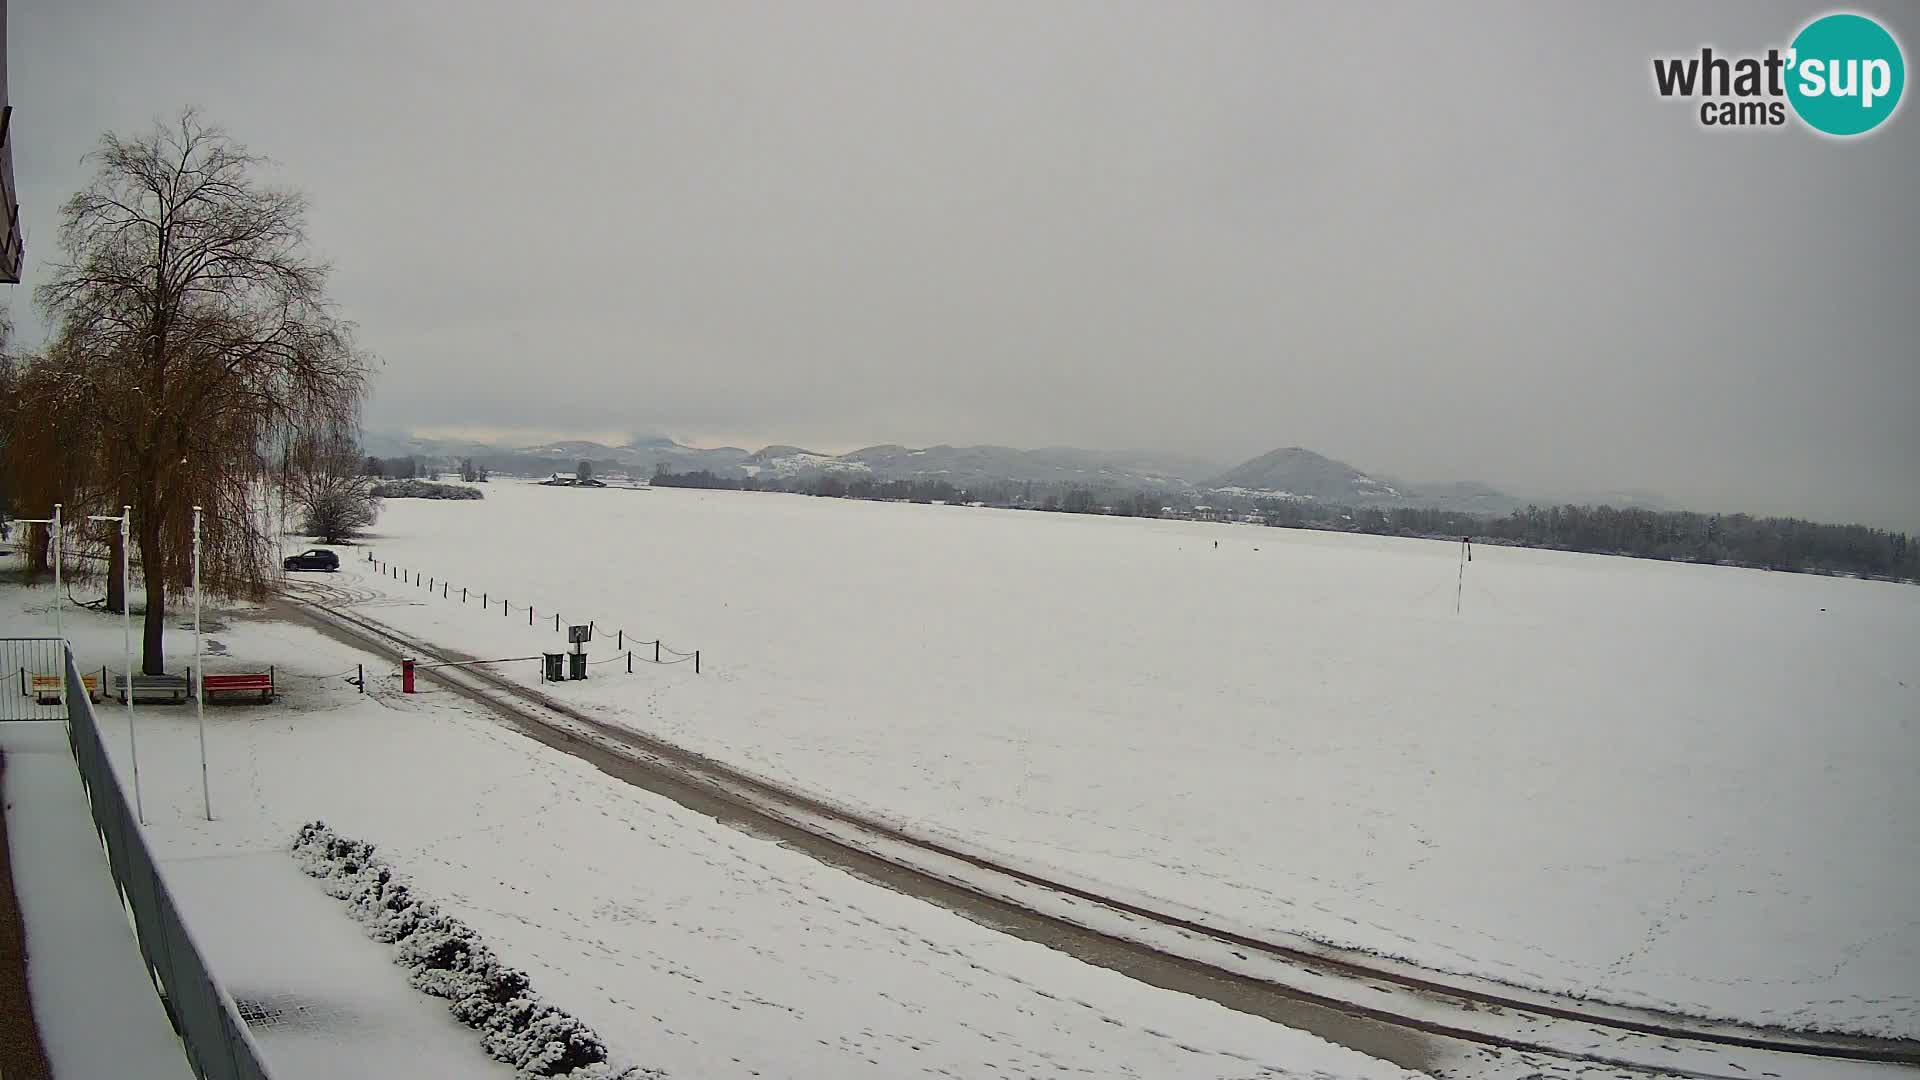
[[59, 594], [53, 546], [126, 609], [199, 678]]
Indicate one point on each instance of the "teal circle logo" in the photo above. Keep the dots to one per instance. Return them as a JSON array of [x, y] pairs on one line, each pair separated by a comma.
[[1845, 74]]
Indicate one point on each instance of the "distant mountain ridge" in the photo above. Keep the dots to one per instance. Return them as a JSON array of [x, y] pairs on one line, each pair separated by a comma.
[[1289, 473]]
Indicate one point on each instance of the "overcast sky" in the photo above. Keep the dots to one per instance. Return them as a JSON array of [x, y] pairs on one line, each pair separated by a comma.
[[1432, 243]]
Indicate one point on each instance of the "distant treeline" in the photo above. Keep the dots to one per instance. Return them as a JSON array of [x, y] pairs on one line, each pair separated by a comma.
[[1770, 543]]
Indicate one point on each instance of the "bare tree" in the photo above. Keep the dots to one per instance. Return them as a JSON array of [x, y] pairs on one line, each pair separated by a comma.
[[200, 331], [328, 482]]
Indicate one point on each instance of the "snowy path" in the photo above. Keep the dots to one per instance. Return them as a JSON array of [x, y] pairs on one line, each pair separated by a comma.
[[97, 1010]]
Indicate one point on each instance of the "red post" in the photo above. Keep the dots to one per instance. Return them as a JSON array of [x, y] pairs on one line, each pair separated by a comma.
[[406, 675]]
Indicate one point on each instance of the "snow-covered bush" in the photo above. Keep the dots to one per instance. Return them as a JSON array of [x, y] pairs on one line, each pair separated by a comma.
[[446, 958], [424, 489]]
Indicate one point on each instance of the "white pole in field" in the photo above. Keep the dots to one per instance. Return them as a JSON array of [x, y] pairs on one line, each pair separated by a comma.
[[126, 610], [199, 679], [1460, 581]]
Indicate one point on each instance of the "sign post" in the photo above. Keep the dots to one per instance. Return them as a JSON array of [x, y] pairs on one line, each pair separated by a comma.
[[578, 636]]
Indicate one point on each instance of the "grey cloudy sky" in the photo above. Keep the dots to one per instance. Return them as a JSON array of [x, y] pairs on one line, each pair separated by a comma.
[[1437, 241]]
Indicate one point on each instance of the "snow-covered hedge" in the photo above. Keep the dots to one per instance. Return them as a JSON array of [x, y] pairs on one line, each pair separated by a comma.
[[424, 489], [446, 958]]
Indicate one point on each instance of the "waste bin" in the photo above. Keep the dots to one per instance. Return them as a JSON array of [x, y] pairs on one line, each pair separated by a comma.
[[550, 669], [576, 665]]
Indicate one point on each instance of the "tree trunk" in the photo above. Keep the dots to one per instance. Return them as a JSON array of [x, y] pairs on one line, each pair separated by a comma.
[[116, 595], [39, 549], [153, 656]]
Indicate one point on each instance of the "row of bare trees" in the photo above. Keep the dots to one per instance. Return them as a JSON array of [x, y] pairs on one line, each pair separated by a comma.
[[196, 360]]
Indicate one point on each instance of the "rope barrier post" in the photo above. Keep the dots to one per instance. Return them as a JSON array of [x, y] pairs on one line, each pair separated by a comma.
[[529, 614], [656, 650], [406, 675], [443, 590], [696, 661], [556, 621], [629, 661], [619, 639], [361, 677], [463, 594]]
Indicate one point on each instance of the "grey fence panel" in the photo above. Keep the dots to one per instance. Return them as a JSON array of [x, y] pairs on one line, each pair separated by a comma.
[[219, 1047], [34, 671]]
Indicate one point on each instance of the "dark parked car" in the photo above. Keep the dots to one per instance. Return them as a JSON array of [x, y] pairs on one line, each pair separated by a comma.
[[317, 559]]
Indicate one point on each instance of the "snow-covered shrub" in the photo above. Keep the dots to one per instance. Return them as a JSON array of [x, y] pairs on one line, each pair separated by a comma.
[[446, 958]]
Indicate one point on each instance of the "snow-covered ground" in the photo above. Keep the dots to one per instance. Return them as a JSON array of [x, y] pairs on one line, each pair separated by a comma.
[[1679, 786], [687, 944]]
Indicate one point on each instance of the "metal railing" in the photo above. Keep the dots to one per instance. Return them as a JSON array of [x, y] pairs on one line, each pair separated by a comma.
[[218, 1045], [34, 671]]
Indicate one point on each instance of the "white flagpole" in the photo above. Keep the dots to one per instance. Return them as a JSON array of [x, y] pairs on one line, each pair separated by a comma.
[[53, 547], [126, 610], [199, 678], [59, 594]]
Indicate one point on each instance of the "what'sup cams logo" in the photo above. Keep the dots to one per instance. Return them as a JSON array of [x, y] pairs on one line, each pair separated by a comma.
[[1842, 76]]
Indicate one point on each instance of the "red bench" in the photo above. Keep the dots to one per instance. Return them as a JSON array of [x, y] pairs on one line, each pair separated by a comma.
[[250, 682]]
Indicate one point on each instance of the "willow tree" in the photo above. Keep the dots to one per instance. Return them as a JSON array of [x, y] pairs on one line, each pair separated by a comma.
[[51, 455], [199, 331]]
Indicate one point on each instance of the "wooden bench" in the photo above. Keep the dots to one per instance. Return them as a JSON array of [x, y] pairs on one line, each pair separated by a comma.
[[240, 682], [172, 689], [46, 688]]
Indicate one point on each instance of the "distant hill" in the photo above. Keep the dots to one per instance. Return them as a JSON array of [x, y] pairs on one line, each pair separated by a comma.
[[1298, 473], [1053, 465], [1292, 473]]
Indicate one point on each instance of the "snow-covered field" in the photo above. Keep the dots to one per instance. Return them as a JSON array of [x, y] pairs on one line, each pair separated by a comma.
[[1679, 786], [687, 944]]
